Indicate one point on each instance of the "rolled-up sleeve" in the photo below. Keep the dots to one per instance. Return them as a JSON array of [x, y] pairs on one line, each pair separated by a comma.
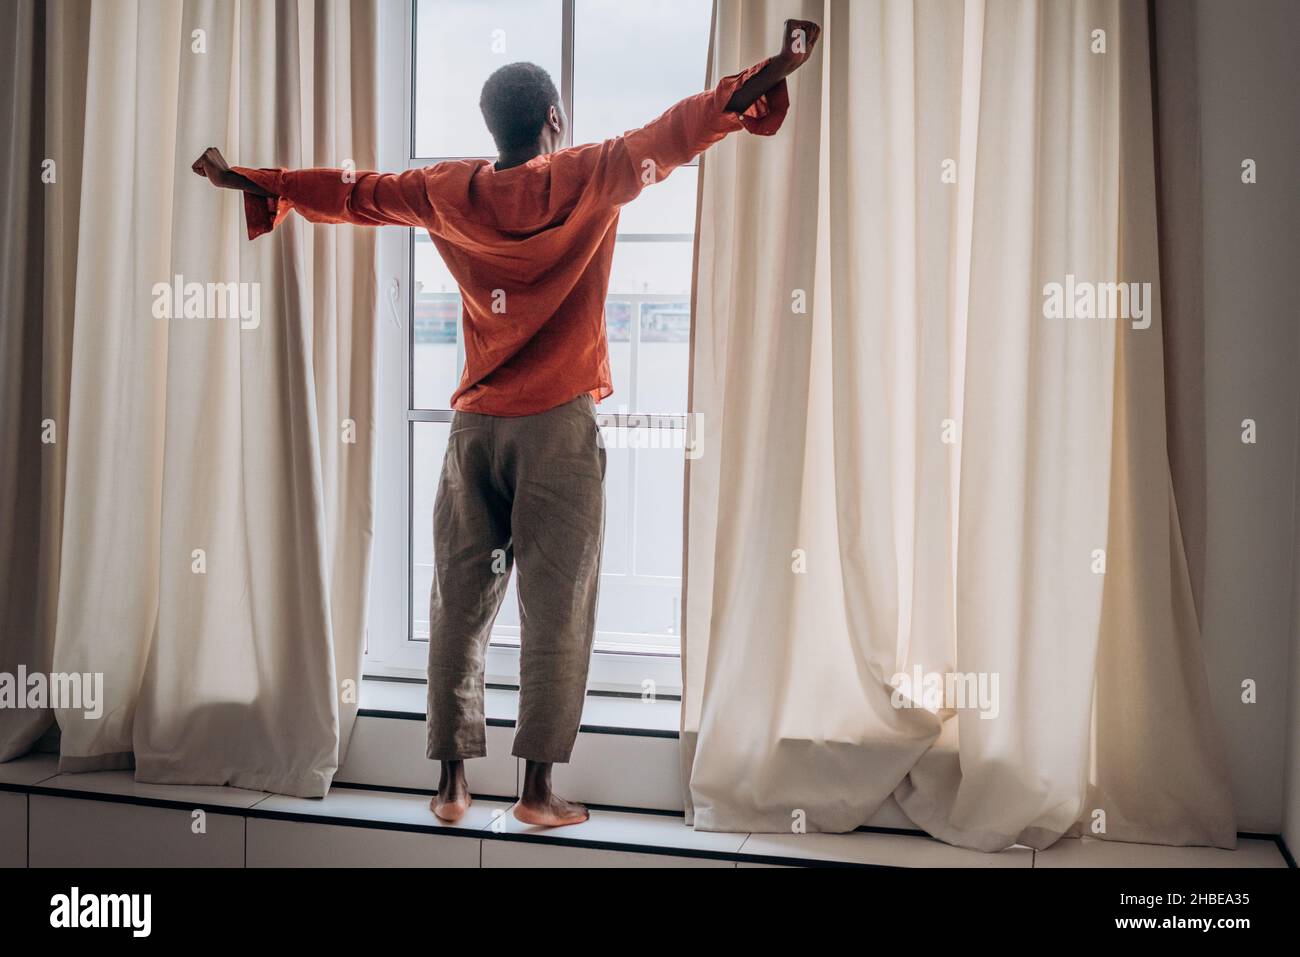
[[338, 196], [647, 155]]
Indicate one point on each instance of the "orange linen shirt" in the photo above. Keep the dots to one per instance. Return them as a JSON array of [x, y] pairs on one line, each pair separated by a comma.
[[530, 246]]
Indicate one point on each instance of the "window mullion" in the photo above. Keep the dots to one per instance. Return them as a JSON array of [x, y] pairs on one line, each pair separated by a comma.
[[566, 65]]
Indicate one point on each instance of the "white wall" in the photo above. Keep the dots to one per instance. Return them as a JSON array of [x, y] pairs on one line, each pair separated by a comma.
[[1249, 78]]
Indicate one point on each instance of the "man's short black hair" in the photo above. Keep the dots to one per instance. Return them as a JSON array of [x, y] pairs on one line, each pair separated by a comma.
[[514, 103]]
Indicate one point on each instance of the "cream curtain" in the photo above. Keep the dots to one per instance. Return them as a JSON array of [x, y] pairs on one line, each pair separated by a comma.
[[210, 500], [45, 78], [911, 470]]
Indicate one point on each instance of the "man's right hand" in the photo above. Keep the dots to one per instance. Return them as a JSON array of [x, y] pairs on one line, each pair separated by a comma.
[[797, 42]]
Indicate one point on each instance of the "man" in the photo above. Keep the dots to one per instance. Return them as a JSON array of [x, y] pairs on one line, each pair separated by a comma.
[[529, 239]]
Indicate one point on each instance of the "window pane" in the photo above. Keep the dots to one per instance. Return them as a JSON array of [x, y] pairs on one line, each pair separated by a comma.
[[650, 355], [662, 352], [631, 62], [640, 582], [663, 356], [619, 316], [640, 589], [437, 344], [459, 43], [654, 268], [666, 207], [634, 60], [660, 471]]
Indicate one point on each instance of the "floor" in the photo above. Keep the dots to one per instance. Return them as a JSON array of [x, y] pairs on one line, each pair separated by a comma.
[[107, 818]]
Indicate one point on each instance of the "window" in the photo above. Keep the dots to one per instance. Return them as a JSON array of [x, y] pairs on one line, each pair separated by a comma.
[[617, 65]]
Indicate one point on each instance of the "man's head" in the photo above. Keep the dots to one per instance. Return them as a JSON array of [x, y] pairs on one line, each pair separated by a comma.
[[522, 109]]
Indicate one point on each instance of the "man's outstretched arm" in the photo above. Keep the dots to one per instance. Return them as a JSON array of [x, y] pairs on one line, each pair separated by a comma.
[[755, 100], [322, 195]]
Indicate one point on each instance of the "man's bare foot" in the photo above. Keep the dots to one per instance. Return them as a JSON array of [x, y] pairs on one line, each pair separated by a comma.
[[541, 806], [552, 811], [450, 810], [452, 800]]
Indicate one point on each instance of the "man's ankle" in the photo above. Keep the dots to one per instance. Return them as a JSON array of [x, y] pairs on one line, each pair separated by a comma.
[[537, 781]]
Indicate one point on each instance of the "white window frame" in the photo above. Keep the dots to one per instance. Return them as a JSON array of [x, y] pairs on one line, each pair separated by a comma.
[[390, 650]]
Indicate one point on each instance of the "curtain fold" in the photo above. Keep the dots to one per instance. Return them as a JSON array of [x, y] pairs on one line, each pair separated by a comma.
[[925, 474], [1177, 131], [214, 548], [23, 472], [39, 206]]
